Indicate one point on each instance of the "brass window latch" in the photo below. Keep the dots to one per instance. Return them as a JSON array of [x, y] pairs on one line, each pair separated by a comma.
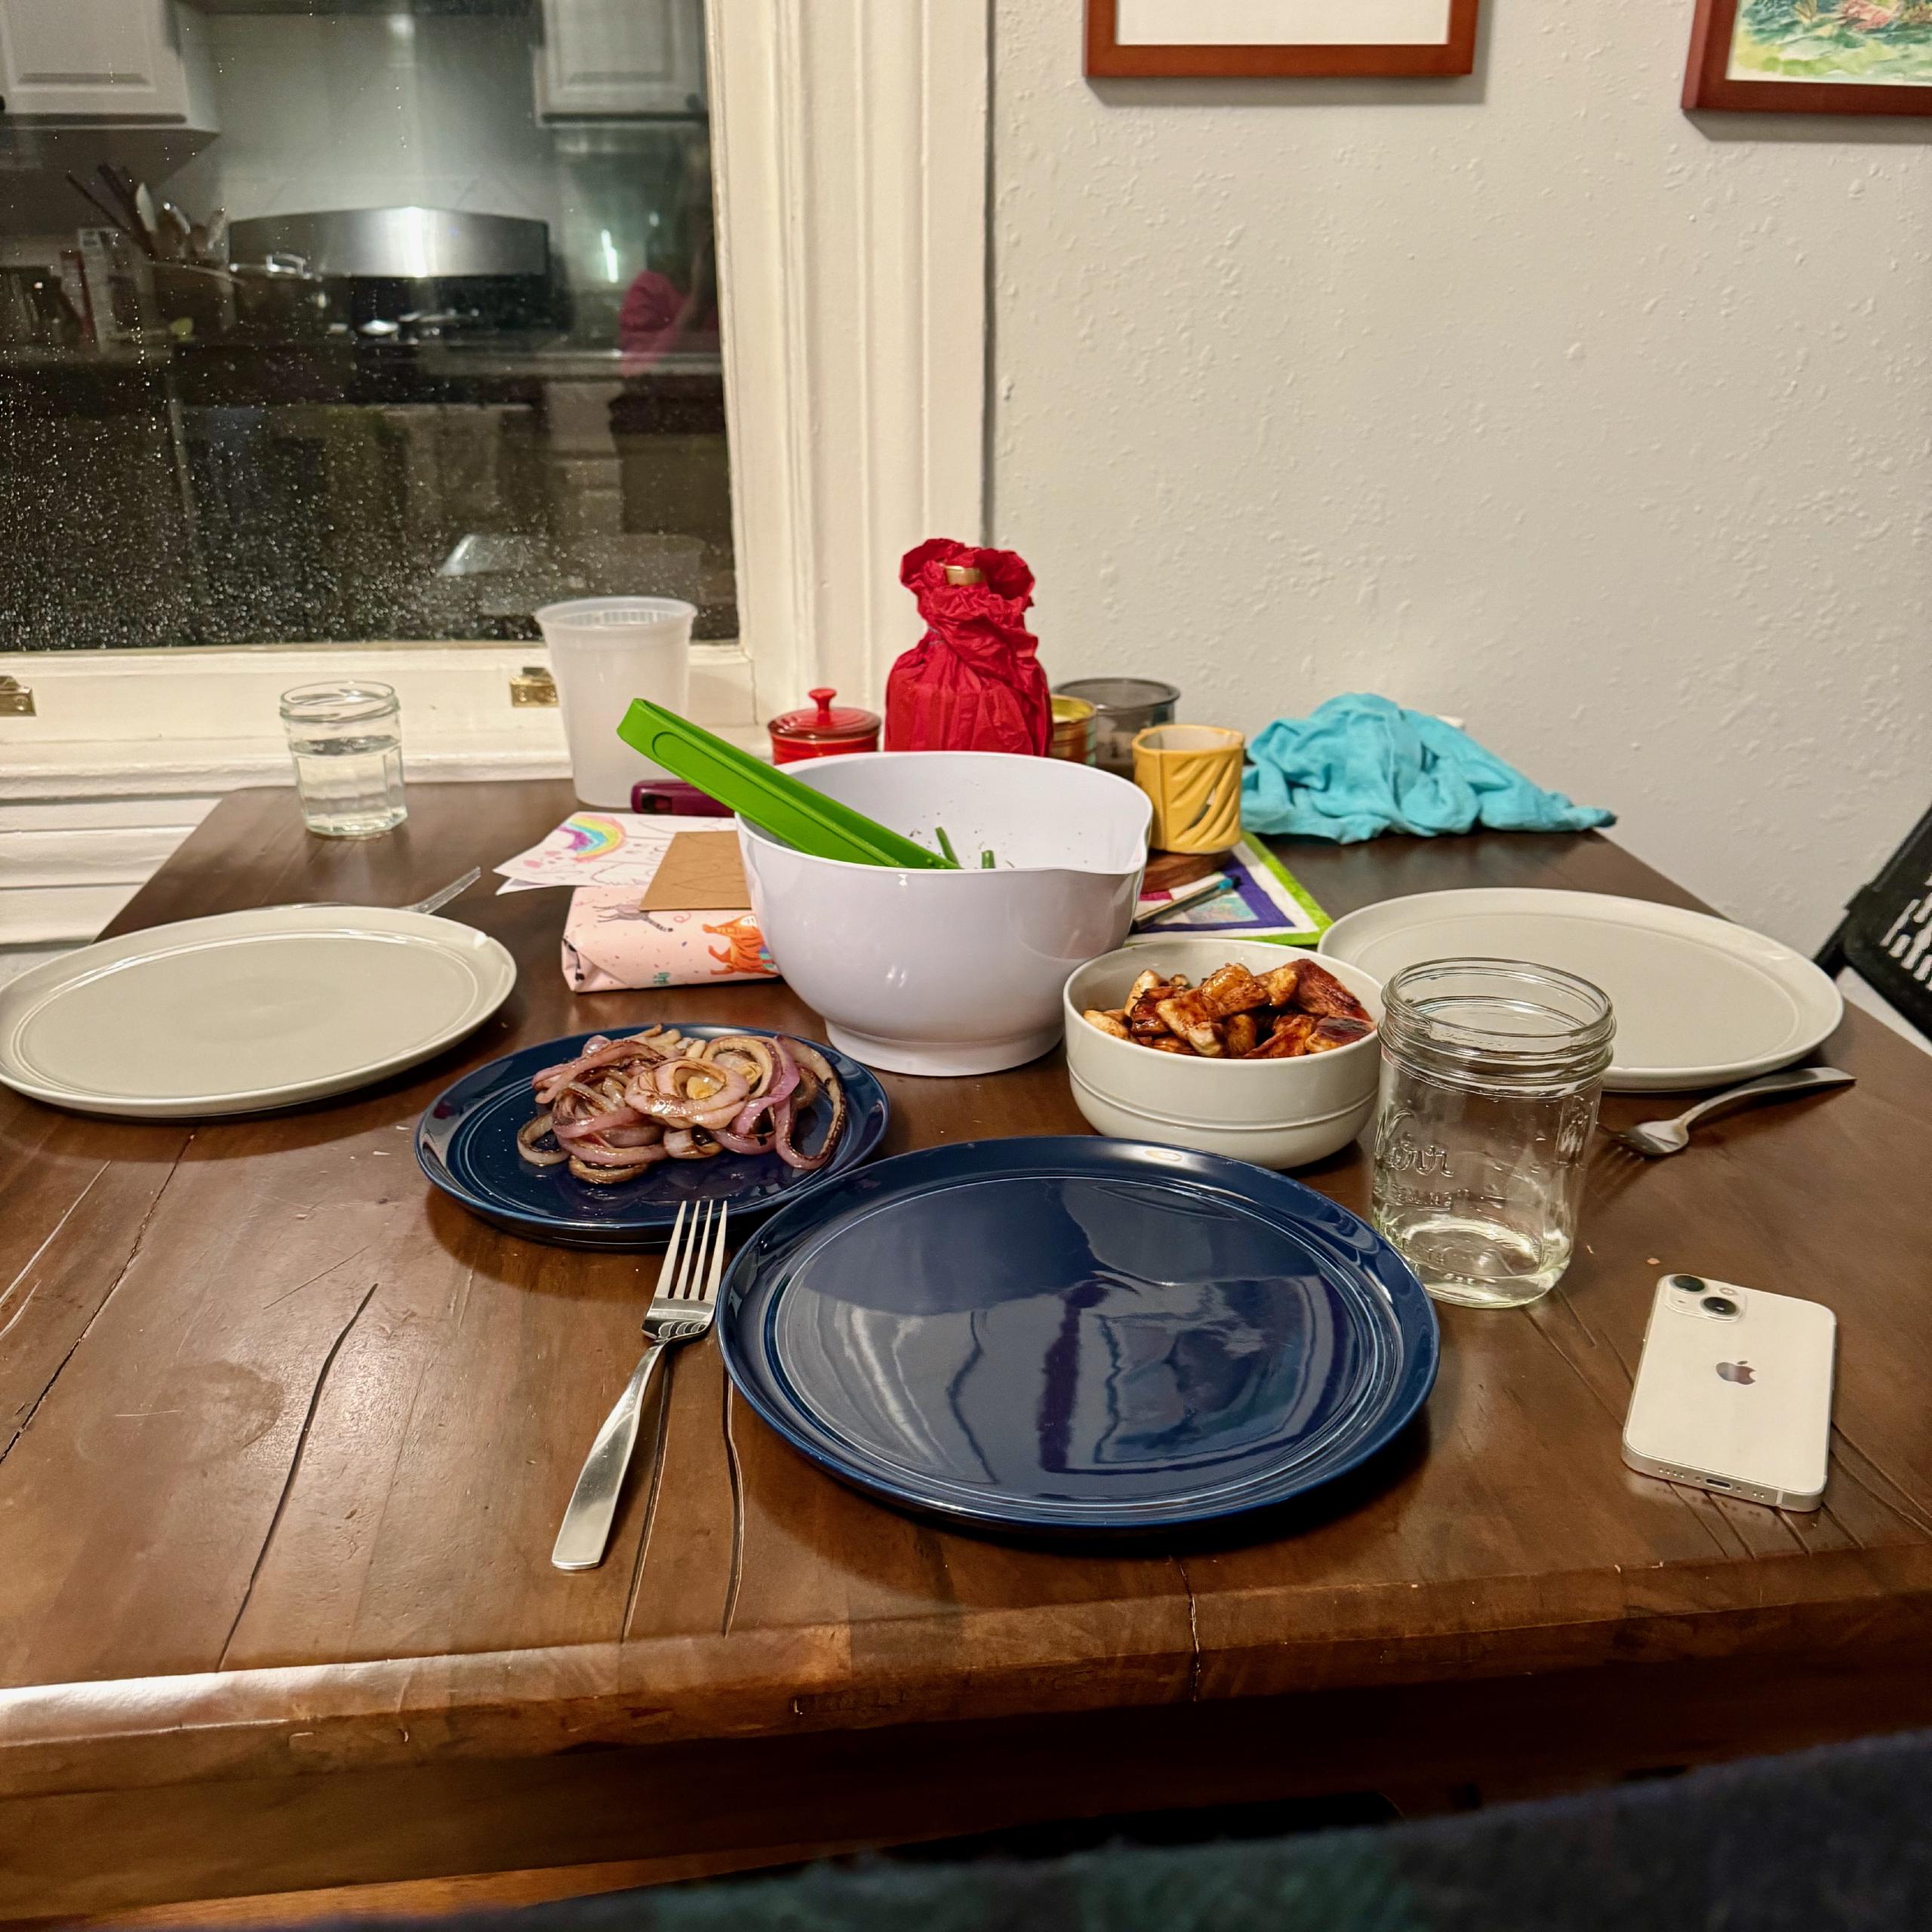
[[532, 685], [17, 699]]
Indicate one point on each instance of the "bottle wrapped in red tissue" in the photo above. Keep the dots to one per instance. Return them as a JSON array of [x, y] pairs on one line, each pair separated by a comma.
[[973, 682]]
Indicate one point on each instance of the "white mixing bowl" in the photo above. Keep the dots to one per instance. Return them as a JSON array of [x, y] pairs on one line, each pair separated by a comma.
[[952, 972], [1277, 1113]]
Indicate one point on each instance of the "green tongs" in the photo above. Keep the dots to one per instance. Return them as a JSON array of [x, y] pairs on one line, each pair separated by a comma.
[[802, 816]]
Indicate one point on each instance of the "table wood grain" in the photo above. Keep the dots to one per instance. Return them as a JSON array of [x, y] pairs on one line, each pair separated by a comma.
[[285, 1437]]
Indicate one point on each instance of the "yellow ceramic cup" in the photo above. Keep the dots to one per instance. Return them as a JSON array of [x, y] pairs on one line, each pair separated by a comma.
[[1192, 774]]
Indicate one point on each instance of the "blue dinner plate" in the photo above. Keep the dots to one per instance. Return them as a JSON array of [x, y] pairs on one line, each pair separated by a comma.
[[467, 1144], [1066, 1334]]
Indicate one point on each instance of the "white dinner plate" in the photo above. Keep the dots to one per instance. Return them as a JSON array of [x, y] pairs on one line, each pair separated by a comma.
[[1699, 1002], [246, 1011]]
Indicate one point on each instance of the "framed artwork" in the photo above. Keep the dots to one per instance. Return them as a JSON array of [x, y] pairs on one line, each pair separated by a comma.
[[1812, 56], [1221, 39]]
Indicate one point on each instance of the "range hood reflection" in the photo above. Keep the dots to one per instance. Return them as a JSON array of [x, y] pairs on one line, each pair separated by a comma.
[[399, 243], [421, 9]]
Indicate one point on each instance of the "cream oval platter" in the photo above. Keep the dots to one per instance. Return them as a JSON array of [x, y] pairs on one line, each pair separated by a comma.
[[1699, 1002], [246, 1011]]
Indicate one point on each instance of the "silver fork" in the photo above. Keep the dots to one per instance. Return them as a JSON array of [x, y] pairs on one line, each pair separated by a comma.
[[437, 901], [1656, 1137], [680, 1310]]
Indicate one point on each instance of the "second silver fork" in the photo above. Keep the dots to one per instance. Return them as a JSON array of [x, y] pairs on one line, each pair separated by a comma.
[[1653, 1138], [680, 1310]]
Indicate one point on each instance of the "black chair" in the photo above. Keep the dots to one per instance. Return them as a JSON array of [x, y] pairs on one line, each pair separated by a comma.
[[1885, 936], [1824, 1840]]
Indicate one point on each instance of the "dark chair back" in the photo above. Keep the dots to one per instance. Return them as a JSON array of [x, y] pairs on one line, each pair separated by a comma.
[[1826, 1841], [1885, 936]]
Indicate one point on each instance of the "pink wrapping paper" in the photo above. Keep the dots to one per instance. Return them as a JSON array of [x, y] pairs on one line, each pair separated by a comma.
[[612, 945]]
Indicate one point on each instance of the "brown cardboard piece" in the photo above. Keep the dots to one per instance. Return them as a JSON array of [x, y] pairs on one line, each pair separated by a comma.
[[701, 872]]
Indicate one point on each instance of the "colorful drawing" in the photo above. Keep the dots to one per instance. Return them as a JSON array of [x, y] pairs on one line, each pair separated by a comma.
[[744, 950], [1871, 42], [603, 848], [592, 835]]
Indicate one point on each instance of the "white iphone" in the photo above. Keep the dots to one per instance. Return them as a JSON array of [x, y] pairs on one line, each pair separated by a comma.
[[1734, 1393]]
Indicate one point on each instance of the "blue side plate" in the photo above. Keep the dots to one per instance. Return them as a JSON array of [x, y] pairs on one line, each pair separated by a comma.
[[1066, 1334], [467, 1144]]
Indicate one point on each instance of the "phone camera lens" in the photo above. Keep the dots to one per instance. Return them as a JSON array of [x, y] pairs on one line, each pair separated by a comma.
[[1687, 1284], [1718, 1305]]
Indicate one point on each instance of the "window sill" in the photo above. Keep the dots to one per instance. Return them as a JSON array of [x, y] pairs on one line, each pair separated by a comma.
[[169, 723]]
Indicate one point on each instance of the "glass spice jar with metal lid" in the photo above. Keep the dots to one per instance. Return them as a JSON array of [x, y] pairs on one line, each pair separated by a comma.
[[827, 731], [1073, 730], [1491, 1072], [1124, 707]]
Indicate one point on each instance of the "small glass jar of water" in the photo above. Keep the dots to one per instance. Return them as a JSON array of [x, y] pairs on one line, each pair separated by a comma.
[[346, 740], [1491, 1072]]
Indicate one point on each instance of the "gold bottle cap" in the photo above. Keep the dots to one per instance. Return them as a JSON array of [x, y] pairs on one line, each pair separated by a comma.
[[963, 574]]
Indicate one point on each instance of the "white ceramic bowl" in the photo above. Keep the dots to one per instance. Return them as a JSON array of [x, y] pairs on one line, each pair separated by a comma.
[[952, 972], [1277, 1113]]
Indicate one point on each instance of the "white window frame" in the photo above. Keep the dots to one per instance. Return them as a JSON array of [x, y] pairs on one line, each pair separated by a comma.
[[849, 150]]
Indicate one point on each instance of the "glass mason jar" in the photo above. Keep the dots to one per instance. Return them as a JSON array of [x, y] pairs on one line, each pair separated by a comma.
[[1491, 1072], [346, 740]]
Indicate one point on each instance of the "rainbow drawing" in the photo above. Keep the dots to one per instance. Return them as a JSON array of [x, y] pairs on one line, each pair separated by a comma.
[[592, 835]]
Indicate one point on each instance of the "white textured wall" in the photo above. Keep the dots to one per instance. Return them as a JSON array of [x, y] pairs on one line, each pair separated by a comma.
[[1524, 398]]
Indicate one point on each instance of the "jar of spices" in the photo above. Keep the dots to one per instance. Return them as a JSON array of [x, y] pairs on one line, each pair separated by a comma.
[[1491, 1072], [1124, 707], [1073, 730], [825, 731]]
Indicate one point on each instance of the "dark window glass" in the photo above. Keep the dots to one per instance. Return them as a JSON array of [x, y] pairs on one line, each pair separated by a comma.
[[402, 323]]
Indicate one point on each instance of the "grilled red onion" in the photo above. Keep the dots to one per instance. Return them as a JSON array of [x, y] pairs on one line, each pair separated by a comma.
[[595, 1154], [609, 1053], [624, 1104], [529, 1134], [732, 1048], [637, 1160], [604, 1125], [656, 1091], [816, 1064], [784, 1083]]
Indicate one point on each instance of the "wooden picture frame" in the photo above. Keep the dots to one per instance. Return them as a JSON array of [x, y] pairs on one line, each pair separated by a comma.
[[1109, 57], [1881, 25]]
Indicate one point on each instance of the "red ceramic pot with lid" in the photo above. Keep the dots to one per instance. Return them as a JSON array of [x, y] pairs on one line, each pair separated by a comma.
[[825, 731]]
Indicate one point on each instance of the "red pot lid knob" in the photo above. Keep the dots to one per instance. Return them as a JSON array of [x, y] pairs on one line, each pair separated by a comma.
[[826, 722]]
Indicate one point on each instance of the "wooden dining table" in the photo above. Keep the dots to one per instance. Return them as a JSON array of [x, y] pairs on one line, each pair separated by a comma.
[[285, 1436]]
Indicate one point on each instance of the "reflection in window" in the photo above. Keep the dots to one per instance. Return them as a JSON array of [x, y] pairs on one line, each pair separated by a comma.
[[406, 326]]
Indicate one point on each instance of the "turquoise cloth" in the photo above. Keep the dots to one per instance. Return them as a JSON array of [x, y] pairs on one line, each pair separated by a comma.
[[1362, 765]]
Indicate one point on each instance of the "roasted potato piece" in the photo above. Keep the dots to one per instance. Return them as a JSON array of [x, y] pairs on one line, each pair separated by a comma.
[[1233, 989], [1333, 1031], [1187, 1017], [1152, 982], [1290, 1038], [1296, 1008], [1318, 991], [1279, 985]]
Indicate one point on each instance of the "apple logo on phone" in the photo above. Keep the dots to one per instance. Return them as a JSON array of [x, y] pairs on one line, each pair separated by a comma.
[[1736, 1371]]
